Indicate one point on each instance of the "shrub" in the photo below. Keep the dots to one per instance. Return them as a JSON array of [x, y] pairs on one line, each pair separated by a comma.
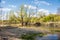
[[31, 36]]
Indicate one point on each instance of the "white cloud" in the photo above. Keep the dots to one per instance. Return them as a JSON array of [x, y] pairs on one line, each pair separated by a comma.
[[25, 5], [37, 2], [4, 12], [5, 9], [30, 6], [13, 6], [44, 11], [44, 2], [3, 2]]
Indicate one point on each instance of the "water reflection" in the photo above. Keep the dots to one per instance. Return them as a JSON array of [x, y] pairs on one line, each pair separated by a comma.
[[49, 37]]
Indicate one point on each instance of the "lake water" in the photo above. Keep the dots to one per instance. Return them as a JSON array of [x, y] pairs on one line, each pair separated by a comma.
[[52, 36], [49, 37]]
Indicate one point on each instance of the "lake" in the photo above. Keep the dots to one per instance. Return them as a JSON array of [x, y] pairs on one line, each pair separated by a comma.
[[48, 37]]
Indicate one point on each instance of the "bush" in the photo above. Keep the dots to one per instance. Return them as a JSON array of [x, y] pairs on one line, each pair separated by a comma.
[[30, 36]]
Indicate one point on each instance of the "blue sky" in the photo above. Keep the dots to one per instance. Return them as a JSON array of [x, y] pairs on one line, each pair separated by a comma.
[[45, 5]]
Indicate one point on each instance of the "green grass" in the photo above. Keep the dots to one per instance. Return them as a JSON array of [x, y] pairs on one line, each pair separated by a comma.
[[31, 36]]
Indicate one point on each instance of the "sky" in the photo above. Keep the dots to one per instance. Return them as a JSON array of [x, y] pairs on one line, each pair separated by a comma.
[[48, 6]]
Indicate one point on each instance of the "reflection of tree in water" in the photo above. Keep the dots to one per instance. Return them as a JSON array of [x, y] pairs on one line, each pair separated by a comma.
[[51, 24], [4, 38], [37, 24]]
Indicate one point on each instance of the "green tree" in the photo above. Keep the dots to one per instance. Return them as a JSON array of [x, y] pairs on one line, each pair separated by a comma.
[[12, 17]]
